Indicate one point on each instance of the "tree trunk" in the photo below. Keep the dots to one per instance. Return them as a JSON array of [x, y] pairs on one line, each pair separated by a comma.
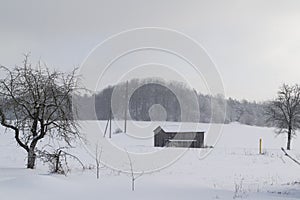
[[98, 175], [132, 184], [289, 139], [57, 165], [31, 159]]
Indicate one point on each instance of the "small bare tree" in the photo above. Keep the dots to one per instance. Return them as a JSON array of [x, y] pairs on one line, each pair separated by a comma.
[[98, 154], [134, 176], [35, 103], [284, 111], [58, 160]]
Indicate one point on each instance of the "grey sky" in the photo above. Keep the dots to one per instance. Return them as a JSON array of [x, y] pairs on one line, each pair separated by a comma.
[[255, 44]]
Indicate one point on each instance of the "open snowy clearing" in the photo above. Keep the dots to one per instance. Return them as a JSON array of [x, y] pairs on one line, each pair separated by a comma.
[[233, 169]]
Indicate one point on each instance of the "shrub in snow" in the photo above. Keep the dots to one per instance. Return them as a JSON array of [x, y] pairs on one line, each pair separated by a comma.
[[117, 131]]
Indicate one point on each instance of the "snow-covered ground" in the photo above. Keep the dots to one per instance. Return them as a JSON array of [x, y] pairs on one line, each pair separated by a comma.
[[233, 169]]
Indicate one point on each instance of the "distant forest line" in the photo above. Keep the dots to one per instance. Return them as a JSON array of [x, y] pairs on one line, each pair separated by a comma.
[[179, 103]]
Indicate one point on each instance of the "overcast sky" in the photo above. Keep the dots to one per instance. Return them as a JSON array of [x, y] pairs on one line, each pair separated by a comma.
[[255, 44]]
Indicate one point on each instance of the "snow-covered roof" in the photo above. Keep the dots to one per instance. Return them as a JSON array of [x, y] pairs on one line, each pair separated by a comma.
[[182, 140], [179, 129]]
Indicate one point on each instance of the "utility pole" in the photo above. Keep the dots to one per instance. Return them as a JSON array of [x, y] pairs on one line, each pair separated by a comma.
[[110, 116], [106, 128], [126, 107]]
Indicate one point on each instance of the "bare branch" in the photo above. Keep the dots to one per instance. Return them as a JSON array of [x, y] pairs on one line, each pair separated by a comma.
[[286, 154]]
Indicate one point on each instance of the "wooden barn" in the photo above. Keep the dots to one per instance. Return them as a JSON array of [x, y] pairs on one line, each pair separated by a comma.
[[174, 137]]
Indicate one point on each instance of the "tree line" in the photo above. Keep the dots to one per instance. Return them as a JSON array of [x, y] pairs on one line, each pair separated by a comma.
[[174, 97]]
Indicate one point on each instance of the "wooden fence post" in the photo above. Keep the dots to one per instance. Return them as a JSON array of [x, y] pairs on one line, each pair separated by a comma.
[[260, 146]]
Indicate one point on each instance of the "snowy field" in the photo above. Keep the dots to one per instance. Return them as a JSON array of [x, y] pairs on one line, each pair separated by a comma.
[[232, 170]]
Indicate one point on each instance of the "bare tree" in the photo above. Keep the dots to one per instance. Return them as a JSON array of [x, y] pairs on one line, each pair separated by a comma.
[[98, 154], [35, 102], [134, 176], [284, 111], [58, 160]]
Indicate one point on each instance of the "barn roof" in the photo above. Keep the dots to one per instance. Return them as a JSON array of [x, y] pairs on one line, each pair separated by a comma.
[[182, 140], [179, 129]]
